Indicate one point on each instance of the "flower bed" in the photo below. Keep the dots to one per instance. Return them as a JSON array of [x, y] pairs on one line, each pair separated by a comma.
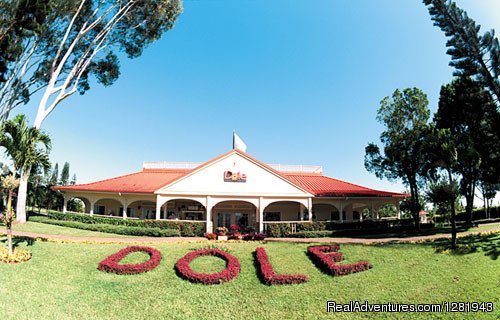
[[326, 258], [229, 273], [111, 263], [267, 272]]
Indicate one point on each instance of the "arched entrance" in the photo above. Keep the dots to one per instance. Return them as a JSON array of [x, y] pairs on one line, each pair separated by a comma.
[[183, 209], [241, 213]]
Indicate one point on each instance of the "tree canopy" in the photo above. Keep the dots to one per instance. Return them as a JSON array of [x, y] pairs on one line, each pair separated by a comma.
[[405, 117], [472, 54]]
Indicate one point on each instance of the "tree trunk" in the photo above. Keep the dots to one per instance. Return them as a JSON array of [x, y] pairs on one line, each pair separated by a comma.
[[453, 218], [21, 198], [469, 199], [415, 206], [8, 224]]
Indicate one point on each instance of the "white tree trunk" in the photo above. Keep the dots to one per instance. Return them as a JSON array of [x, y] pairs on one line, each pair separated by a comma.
[[21, 198]]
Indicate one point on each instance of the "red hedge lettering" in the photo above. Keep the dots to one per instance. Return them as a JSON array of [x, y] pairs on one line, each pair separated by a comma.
[[326, 258], [267, 272], [111, 263], [232, 267]]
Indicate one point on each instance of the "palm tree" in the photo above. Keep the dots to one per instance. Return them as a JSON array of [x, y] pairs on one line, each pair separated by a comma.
[[29, 150], [9, 183]]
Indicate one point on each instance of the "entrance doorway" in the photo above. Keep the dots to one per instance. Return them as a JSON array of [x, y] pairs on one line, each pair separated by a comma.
[[240, 213]]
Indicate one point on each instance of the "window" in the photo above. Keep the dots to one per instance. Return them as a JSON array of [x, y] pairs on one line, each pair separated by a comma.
[[334, 215], [98, 209], [193, 215], [272, 216]]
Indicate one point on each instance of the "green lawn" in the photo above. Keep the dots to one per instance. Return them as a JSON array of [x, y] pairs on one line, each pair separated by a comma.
[[44, 228], [62, 282]]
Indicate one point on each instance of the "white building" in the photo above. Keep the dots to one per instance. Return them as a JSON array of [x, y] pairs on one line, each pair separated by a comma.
[[233, 188]]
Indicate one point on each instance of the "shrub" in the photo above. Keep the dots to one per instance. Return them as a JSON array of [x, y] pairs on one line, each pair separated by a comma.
[[184, 228], [125, 230], [278, 230], [326, 258], [254, 236], [112, 263], [211, 236], [268, 275], [19, 255], [229, 273]]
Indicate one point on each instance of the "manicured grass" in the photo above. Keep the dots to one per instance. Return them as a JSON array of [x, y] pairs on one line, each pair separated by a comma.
[[44, 228], [61, 281]]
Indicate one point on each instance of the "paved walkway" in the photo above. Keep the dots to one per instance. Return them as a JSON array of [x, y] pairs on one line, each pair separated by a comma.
[[63, 238]]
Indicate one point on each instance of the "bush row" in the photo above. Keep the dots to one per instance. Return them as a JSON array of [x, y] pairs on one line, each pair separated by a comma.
[[229, 273], [268, 275], [124, 230], [112, 263], [326, 258], [186, 229], [319, 229]]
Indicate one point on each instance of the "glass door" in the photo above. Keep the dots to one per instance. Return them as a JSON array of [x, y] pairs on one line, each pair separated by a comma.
[[224, 219]]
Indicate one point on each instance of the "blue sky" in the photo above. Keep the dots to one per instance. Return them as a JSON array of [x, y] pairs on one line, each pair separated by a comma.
[[300, 82]]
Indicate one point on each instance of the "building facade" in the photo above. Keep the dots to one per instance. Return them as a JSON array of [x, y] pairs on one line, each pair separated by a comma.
[[234, 188]]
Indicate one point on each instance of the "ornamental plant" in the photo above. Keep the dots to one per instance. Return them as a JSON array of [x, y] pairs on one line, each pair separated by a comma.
[[9, 183], [112, 263], [211, 236], [221, 231], [326, 258], [268, 275], [229, 273]]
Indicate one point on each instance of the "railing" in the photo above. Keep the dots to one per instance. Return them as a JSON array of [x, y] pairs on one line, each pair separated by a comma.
[[191, 165], [297, 168], [293, 224], [170, 165]]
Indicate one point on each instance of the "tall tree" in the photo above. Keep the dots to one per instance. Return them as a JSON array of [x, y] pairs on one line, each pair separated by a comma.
[[441, 153], [405, 116], [54, 178], [79, 39], [73, 179], [9, 183], [472, 54], [28, 147], [469, 112], [64, 180]]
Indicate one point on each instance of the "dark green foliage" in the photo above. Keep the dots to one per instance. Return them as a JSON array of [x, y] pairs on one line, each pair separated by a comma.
[[108, 228], [278, 230], [472, 54], [187, 229], [470, 114], [405, 117], [64, 179]]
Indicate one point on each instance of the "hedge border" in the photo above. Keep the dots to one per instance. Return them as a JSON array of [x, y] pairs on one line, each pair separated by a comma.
[[267, 274], [326, 258], [229, 273], [112, 263]]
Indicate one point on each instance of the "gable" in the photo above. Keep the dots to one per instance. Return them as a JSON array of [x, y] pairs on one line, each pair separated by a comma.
[[253, 179]]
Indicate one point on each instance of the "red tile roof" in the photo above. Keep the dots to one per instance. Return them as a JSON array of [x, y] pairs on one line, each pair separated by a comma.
[[323, 186], [150, 180], [146, 181]]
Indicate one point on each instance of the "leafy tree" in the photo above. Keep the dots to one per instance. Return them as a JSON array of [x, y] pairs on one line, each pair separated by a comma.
[[78, 40], [441, 152], [55, 175], [28, 147], [9, 183], [405, 116], [64, 174], [73, 180], [469, 112], [19, 20], [472, 54], [488, 192]]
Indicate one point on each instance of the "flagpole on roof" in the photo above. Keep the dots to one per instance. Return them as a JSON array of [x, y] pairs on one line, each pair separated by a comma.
[[234, 132]]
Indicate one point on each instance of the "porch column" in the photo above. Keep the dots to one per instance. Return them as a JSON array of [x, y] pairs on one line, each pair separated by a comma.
[[341, 212], [261, 215], [310, 208], [158, 207], [398, 211], [208, 208], [65, 204], [125, 206], [92, 203], [374, 217]]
